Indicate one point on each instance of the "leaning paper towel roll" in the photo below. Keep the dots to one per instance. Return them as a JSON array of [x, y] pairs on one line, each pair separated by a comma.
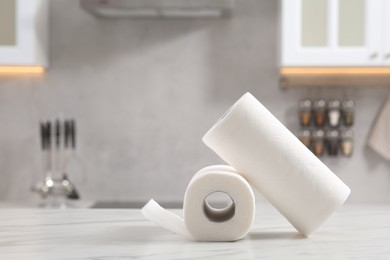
[[201, 221], [277, 164]]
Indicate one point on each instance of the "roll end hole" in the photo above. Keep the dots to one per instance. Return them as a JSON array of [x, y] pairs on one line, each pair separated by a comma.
[[219, 207]]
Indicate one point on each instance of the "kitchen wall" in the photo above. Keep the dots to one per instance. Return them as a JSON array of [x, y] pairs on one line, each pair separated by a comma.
[[145, 91]]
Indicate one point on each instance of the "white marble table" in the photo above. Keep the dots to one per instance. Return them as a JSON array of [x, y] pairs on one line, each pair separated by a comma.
[[355, 232]]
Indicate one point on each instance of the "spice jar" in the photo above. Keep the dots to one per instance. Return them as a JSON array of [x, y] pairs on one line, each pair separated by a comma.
[[305, 137], [333, 113], [318, 142], [319, 112], [346, 143], [332, 142], [305, 113], [348, 111]]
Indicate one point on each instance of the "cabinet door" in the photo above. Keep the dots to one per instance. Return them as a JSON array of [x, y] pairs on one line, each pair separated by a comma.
[[386, 40], [331, 32], [23, 32]]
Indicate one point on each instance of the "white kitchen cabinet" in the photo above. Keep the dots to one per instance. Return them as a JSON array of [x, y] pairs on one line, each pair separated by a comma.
[[23, 33], [386, 40], [338, 33]]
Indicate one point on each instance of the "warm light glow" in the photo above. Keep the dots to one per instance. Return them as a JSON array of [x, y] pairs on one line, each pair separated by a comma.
[[366, 71], [12, 70]]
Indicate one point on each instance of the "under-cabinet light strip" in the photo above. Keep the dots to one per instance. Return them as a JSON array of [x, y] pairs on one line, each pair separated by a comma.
[[11, 70], [335, 71]]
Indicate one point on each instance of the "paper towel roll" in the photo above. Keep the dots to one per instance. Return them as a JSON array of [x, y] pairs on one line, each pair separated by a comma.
[[201, 221], [277, 164]]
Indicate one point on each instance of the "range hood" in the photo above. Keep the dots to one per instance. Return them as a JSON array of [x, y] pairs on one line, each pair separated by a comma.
[[159, 8]]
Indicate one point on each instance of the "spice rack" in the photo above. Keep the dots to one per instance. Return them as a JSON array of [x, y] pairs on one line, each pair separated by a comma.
[[326, 126]]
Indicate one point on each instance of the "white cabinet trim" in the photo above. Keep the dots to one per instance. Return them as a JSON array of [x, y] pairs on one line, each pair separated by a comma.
[[293, 54], [386, 33], [31, 35]]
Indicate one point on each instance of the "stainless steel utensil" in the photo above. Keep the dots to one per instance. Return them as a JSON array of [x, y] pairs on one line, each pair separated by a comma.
[[69, 147]]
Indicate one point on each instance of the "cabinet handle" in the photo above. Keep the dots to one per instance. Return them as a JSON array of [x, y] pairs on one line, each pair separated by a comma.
[[374, 55]]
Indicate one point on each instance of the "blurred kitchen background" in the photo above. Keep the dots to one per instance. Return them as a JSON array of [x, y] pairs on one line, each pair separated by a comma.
[[144, 91]]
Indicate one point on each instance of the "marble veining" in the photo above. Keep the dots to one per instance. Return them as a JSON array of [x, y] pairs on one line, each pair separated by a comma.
[[355, 232]]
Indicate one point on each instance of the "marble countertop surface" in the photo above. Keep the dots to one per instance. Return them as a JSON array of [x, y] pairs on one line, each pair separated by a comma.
[[355, 231]]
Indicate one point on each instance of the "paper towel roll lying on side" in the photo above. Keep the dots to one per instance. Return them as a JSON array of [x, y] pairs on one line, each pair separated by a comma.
[[277, 164], [201, 221]]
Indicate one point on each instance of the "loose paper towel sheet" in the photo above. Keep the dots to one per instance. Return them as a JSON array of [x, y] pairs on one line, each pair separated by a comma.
[[202, 222], [277, 164]]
